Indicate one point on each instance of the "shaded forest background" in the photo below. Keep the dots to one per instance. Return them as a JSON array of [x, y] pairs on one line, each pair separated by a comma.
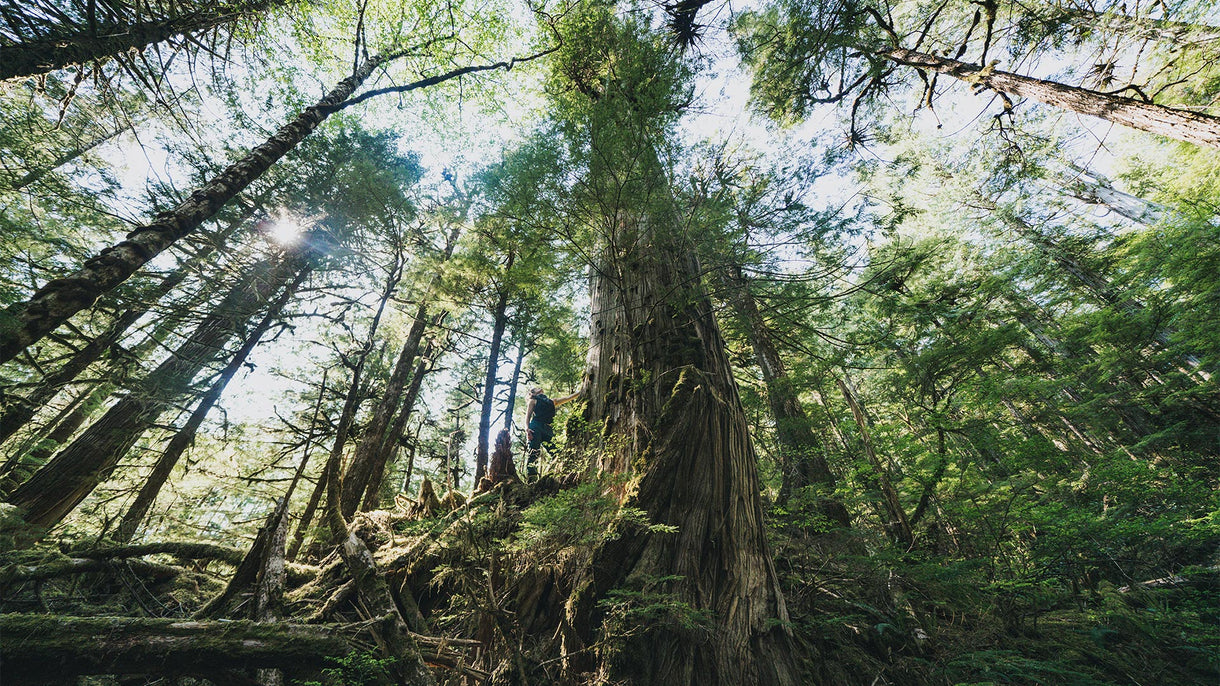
[[894, 328]]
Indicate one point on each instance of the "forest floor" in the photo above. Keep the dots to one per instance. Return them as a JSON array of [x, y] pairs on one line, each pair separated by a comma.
[[483, 586]]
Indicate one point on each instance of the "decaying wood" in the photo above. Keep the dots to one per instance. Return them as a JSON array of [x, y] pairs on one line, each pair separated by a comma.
[[45, 649]]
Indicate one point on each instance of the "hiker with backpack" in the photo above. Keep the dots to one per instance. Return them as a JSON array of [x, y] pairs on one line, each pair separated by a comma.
[[538, 416]]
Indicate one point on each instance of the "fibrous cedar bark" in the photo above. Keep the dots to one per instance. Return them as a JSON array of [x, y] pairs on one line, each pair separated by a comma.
[[1183, 125], [660, 386], [58, 487]]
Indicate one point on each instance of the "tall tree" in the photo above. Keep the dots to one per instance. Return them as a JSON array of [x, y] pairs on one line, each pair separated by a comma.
[[102, 30], [56, 301], [56, 489], [662, 391]]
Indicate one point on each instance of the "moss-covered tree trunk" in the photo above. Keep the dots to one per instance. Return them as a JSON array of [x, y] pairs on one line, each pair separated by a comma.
[[659, 385], [802, 455], [107, 39], [50, 649]]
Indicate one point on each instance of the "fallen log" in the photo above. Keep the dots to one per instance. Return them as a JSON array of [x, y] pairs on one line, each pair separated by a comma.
[[46, 649], [21, 573]]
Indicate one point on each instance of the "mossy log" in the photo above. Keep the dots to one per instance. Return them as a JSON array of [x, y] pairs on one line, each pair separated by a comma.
[[56, 568], [50, 649]]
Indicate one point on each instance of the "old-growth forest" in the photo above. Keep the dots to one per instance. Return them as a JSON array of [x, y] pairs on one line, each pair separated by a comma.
[[885, 337]]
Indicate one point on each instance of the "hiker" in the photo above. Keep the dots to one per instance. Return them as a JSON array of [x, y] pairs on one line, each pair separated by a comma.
[[538, 416]]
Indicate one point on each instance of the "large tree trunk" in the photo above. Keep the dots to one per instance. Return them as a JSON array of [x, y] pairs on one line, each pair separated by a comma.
[[802, 455], [659, 385], [1183, 125], [499, 323], [51, 649], [16, 415], [109, 39], [186, 435], [57, 488]]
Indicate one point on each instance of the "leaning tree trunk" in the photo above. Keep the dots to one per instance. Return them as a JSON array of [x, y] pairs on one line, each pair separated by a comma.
[[899, 526], [110, 39], [802, 455], [27, 322], [499, 323], [186, 435], [57, 488], [35, 175], [1183, 125], [370, 448], [351, 403], [19, 413]]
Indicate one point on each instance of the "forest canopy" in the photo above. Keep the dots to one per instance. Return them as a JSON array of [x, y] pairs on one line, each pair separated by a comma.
[[593, 342]]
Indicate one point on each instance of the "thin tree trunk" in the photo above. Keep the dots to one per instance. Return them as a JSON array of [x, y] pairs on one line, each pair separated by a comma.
[[1157, 29], [388, 451], [351, 403], [499, 323], [186, 435], [370, 448], [803, 458], [1183, 125], [512, 387], [108, 40], [33, 176], [57, 488], [898, 524], [19, 413]]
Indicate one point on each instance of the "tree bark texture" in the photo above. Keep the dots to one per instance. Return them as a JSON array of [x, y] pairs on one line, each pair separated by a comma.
[[51, 649], [56, 489], [110, 39], [803, 457], [499, 323], [1183, 125], [185, 436], [659, 384]]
